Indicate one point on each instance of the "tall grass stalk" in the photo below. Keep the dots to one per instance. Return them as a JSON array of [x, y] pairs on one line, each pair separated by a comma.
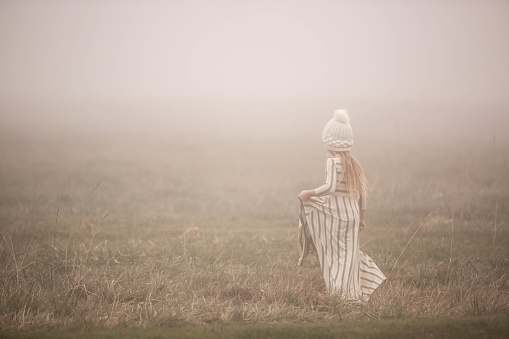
[[409, 241], [450, 252], [55, 230], [495, 226]]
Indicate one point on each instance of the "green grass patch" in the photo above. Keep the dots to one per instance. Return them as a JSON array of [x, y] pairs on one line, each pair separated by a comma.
[[478, 327]]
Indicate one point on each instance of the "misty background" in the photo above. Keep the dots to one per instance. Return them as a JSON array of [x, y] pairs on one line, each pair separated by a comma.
[[405, 70]]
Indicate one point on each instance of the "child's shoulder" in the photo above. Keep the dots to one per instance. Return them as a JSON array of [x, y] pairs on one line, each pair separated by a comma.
[[335, 160]]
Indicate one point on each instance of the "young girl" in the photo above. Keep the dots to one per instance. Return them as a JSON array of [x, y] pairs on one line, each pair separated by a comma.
[[332, 215]]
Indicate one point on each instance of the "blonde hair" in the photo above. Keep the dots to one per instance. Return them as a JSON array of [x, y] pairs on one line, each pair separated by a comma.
[[354, 175]]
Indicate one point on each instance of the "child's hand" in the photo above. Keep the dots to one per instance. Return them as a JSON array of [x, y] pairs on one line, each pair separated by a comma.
[[362, 225], [306, 194]]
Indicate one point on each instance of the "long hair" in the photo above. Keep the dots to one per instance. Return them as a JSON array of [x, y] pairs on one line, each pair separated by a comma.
[[354, 175]]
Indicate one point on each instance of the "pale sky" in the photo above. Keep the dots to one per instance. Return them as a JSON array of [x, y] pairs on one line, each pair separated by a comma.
[[409, 50]]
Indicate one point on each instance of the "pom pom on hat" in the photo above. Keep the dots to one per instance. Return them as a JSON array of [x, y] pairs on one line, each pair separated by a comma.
[[341, 115]]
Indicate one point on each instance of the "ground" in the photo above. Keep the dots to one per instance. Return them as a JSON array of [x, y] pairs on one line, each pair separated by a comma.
[[134, 239]]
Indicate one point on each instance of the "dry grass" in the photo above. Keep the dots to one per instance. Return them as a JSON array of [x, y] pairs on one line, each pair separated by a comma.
[[184, 235]]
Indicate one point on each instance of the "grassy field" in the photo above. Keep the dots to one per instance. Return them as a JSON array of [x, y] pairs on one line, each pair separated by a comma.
[[122, 238]]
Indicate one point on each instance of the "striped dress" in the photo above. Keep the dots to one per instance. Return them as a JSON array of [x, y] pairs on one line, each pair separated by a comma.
[[330, 223]]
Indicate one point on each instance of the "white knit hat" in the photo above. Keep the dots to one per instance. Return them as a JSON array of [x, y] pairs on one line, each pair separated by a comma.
[[337, 134]]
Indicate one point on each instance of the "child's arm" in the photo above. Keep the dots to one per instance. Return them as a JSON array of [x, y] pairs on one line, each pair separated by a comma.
[[327, 188], [362, 223], [362, 212], [330, 181]]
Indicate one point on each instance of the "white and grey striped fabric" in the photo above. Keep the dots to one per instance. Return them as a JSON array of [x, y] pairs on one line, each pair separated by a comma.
[[330, 222]]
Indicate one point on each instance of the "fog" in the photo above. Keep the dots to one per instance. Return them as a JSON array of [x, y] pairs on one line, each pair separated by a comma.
[[405, 70]]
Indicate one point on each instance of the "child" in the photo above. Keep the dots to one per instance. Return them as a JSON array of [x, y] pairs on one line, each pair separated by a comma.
[[333, 214]]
